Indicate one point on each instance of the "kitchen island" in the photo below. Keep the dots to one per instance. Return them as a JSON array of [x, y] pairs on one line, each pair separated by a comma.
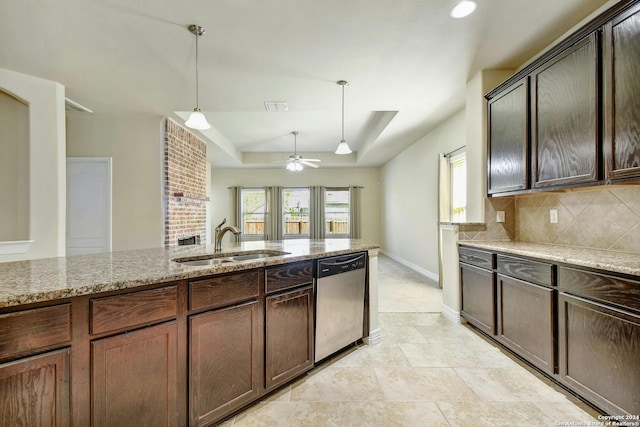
[[135, 337]]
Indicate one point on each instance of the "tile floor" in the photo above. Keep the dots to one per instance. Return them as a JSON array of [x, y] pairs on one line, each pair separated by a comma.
[[427, 371]]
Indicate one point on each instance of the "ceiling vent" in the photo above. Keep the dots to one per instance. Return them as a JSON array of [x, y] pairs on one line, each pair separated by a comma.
[[71, 105], [276, 106]]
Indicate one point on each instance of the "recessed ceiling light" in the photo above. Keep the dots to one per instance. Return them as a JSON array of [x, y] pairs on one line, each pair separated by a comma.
[[464, 8]]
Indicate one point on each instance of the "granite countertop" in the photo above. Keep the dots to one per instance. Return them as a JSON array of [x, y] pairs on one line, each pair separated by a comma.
[[24, 282], [617, 262]]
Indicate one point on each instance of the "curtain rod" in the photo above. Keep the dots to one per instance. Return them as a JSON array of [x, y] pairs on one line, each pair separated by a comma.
[[453, 151], [348, 186]]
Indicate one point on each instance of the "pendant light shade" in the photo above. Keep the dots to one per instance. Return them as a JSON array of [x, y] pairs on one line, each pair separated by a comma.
[[197, 120], [343, 147]]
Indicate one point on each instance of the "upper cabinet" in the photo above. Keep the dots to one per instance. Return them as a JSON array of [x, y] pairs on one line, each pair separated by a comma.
[[509, 139], [621, 97], [571, 118], [564, 117]]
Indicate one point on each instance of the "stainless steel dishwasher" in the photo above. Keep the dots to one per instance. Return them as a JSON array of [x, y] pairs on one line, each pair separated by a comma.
[[340, 285]]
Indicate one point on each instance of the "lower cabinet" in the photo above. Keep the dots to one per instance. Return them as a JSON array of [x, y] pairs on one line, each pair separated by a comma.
[[478, 297], [225, 361], [133, 378], [289, 336], [599, 348], [34, 391], [526, 320]]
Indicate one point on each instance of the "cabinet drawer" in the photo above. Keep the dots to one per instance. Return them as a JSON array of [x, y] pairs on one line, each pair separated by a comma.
[[532, 271], [224, 290], [600, 287], [133, 309], [289, 276], [477, 257], [26, 331]]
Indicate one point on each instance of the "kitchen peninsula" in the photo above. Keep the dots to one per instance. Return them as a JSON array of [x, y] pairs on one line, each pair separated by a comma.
[[108, 338]]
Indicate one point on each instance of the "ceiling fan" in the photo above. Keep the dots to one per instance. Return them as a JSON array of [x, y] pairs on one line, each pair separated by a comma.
[[295, 161]]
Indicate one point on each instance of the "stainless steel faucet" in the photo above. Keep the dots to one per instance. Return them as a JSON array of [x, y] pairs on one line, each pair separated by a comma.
[[220, 232]]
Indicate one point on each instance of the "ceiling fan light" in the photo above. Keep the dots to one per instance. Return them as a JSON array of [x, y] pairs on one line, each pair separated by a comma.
[[343, 148], [298, 167], [197, 120], [462, 9], [291, 166]]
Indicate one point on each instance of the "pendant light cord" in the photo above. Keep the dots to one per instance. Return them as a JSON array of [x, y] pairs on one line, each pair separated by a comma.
[[343, 112], [197, 88]]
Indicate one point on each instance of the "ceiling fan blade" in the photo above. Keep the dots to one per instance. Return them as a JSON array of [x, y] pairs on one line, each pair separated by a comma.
[[311, 160], [304, 162]]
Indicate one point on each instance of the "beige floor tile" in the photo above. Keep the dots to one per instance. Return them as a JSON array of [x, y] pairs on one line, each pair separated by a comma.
[[423, 384], [577, 412], [373, 356], [290, 414], [390, 414], [491, 414], [412, 319], [338, 384], [514, 384], [394, 334]]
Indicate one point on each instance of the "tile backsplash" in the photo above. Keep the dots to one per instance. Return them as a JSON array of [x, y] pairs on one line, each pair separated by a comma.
[[602, 218], [607, 218]]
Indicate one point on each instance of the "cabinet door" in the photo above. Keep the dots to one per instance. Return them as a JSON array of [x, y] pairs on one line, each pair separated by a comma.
[[225, 361], [564, 117], [526, 320], [621, 84], [598, 353], [478, 297], [508, 146], [35, 391], [289, 336], [133, 378]]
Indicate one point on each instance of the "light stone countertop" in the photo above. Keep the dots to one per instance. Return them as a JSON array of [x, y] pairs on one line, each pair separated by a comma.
[[25, 282], [617, 262]]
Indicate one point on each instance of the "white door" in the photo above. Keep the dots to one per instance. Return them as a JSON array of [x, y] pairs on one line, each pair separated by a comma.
[[88, 205]]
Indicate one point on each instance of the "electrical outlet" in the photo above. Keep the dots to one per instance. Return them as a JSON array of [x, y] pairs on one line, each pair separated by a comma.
[[499, 216], [553, 216]]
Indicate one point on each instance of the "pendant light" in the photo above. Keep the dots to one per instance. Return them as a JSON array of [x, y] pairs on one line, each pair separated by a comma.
[[197, 120], [343, 147]]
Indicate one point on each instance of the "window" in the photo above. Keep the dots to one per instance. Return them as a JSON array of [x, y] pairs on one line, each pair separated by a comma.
[[336, 212], [253, 208], [458, 171], [295, 212]]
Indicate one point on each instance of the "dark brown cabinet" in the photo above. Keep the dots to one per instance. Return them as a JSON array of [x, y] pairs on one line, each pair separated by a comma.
[[134, 377], [225, 345], [289, 336], [564, 117], [508, 145], [526, 320], [478, 289], [289, 312], [225, 361], [34, 391], [599, 338], [621, 97]]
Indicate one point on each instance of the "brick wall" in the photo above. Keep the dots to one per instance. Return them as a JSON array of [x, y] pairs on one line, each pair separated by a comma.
[[185, 186]]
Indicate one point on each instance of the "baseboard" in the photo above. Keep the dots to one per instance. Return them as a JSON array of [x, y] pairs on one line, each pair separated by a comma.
[[375, 337], [451, 314], [426, 273]]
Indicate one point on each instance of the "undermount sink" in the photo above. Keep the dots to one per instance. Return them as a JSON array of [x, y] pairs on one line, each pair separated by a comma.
[[222, 258]]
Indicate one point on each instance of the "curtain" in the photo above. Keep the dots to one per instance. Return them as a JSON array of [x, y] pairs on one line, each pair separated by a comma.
[[237, 206], [444, 189], [354, 212], [273, 220], [316, 214]]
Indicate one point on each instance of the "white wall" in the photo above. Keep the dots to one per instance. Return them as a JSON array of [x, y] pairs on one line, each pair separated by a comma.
[[47, 179], [135, 144], [223, 178], [409, 184]]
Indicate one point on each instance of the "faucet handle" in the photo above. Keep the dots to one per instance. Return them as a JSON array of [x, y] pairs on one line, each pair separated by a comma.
[[221, 224]]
